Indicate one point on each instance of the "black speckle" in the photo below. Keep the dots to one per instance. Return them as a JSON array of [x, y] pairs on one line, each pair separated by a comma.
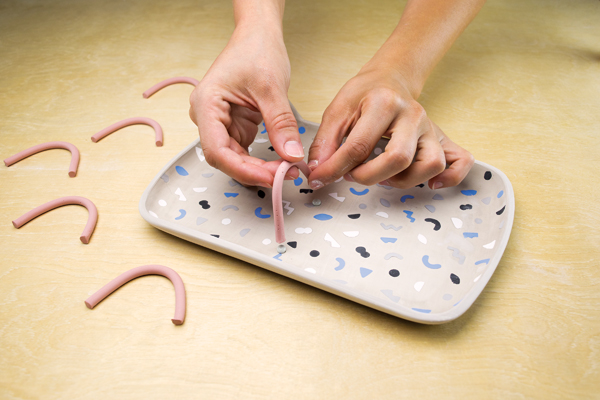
[[314, 253], [488, 175], [353, 216], [421, 185], [306, 191], [435, 222], [261, 194], [455, 279], [500, 211], [212, 234], [363, 252], [394, 272], [271, 148], [204, 204], [466, 206], [292, 244]]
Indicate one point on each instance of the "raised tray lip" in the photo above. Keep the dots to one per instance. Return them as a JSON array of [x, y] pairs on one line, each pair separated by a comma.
[[293, 272]]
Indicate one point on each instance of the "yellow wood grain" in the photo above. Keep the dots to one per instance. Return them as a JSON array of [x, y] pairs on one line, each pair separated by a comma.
[[520, 89]]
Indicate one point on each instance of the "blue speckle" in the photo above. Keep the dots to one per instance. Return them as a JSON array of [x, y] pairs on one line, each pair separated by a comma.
[[181, 214], [302, 130], [388, 240], [423, 310], [430, 265], [438, 196], [341, 264], [469, 192], [409, 215], [485, 261], [356, 192], [298, 181], [231, 194], [264, 130], [470, 235], [181, 171], [323, 217], [405, 197], [278, 257], [257, 212], [501, 193], [365, 271]]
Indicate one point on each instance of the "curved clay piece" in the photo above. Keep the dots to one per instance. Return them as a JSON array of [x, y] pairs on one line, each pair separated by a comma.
[[48, 146], [131, 121], [136, 273], [169, 82], [64, 201], [277, 195]]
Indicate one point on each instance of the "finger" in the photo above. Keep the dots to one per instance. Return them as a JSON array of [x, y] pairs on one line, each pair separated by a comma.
[[459, 163], [358, 146], [270, 166], [282, 127]]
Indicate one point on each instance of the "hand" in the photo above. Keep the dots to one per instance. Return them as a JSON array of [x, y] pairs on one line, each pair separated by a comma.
[[247, 82], [373, 104]]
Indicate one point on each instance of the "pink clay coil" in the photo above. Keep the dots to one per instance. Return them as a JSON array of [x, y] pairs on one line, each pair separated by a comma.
[[48, 146], [169, 82], [131, 121], [125, 277], [278, 192], [64, 201]]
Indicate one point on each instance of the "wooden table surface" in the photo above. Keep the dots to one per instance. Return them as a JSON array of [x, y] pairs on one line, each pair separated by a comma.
[[520, 89]]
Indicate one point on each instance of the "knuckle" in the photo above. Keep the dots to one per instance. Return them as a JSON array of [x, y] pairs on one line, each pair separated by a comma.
[[399, 159], [210, 158], [357, 151], [435, 166], [283, 120], [417, 112]]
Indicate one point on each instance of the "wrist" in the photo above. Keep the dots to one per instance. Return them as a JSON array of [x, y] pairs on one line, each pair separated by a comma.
[[396, 70], [253, 16]]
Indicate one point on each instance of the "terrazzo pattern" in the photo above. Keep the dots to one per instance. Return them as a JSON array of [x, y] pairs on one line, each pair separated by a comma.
[[418, 249]]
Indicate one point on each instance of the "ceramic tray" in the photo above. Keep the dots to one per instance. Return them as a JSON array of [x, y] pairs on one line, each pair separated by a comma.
[[418, 254]]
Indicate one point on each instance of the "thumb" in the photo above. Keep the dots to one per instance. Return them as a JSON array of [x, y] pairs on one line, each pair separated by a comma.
[[282, 128]]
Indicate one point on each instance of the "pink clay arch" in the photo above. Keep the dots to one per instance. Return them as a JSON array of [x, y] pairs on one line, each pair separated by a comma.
[[48, 146], [277, 195], [131, 121], [168, 82], [64, 201], [127, 276]]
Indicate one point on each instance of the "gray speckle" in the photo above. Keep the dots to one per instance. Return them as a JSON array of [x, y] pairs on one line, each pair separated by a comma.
[[486, 200], [309, 205], [232, 183], [229, 207], [447, 296], [502, 224], [243, 232], [385, 187], [200, 220], [438, 196], [478, 220], [390, 255], [430, 208], [316, 202], [384, 202], [281, 249], [208, 175], [362, 206], [165, 178], [457, 254]]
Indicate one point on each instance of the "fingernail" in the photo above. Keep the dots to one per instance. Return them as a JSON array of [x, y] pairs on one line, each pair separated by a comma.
[[385, 183], [312, 164], [294, 149], [348, 177], [437, 185], [316, 184], [265, 185]]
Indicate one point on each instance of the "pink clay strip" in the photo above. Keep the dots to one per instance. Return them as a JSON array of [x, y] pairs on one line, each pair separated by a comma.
[[48, 146], [131, 121], [64, 201], [136, 273], [169, 82], [278, 192]]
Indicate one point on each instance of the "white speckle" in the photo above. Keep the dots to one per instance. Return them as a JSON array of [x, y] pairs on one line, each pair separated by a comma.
[[457, 223], [249, 149], [200, 189], [339, 180], [382, 214], [303, 230], [162, 203], [179, 193], [200, 154], [266, 241], [489, 245], [311, 270], [153, 214], [260, 140], [419, 286], [338, 198], [331, 240], [476, 279], [422, 239], [377, 150], [226, 221], [351, 233]]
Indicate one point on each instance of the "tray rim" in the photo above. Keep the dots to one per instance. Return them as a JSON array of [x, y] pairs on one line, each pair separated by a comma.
[[291, 271]]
